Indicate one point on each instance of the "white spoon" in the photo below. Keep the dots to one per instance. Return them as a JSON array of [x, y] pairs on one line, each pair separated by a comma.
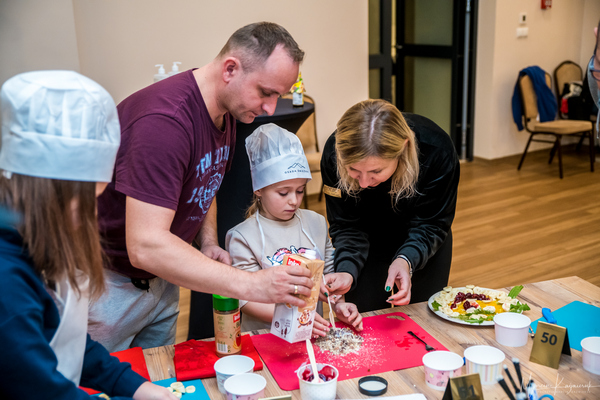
[[313, 362]]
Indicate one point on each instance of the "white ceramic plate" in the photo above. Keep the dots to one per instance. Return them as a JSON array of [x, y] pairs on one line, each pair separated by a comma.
[[451, 319]]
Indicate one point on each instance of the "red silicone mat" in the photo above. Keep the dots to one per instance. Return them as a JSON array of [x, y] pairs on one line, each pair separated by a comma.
[[195, 359], [134, 356], [387, 347]]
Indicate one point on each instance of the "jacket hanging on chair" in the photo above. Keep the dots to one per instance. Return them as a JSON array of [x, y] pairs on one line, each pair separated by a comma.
[[546, 102]]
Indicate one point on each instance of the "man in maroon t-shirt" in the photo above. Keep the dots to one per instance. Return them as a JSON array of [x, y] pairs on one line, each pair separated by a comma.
[[177, 142]]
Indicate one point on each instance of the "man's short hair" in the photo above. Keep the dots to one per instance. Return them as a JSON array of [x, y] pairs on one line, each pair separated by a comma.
[[254, 43]]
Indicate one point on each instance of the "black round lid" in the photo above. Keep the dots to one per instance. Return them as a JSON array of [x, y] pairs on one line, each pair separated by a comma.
[[372, 385]]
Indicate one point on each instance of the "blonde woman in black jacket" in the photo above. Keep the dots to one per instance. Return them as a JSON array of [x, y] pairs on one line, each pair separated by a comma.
[[391, 182]]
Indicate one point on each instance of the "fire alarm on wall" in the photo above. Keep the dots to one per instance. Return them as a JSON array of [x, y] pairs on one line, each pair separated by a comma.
[[546, 4]]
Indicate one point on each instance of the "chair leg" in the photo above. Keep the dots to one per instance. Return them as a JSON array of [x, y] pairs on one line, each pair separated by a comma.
[[552, 153], [525, 152], [592, 150], [559, 151], [578, 147]]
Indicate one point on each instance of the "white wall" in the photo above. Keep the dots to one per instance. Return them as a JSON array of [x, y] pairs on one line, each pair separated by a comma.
[[117, 43], [563, 32], [35, 35], [591, 16]]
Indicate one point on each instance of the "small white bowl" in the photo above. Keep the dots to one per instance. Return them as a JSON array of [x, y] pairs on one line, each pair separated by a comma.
[[229, 366], [512, 329], [245, 386], [440, 366], [487, 361], [590, 348], [315, 390]]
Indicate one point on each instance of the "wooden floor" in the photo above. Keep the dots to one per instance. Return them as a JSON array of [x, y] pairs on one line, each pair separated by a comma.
[[514, 227]]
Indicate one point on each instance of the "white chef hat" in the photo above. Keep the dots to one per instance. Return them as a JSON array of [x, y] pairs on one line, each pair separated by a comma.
[[275, 155], [58, 125]]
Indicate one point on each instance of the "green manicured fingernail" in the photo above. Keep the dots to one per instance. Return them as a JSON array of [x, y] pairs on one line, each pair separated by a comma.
[[387, 288], [326, 294]]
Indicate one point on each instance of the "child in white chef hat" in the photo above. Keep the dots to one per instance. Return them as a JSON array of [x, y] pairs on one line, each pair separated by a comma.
[[60, 136], [275, 224]]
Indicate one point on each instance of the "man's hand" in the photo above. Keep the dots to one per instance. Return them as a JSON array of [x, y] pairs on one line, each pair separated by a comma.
[[338, 283], [399, 274], [150, 391], [216, 253], [280, 285]]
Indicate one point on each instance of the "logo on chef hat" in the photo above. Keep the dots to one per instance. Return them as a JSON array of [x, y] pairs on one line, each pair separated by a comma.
[[295, 168]]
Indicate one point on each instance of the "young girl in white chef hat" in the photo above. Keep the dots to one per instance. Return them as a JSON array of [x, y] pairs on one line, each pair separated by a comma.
[[60, 136], [275, 224]]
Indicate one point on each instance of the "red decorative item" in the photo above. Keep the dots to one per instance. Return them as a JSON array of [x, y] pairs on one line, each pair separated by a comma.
[[386, 347], [195, 359], [546, 4]]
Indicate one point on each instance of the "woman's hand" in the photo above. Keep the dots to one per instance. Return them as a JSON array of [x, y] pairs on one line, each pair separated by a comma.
[[399, 274], [338, 283], [348, 313], [320, 326], [325, 296], [150, 391]]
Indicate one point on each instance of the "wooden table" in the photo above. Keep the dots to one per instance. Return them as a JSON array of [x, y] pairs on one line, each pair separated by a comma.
[[570, 381]]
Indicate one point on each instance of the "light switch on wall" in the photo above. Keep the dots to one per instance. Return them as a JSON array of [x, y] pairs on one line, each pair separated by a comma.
[[522, 32], [522, 18]]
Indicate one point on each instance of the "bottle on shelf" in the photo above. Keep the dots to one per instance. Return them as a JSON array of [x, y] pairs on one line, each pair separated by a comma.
[[161, 73], [174, 68], [298, 92]]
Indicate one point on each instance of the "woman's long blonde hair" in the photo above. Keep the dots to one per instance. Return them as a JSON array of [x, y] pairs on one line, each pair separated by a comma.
[[60, 240], [376, 128]]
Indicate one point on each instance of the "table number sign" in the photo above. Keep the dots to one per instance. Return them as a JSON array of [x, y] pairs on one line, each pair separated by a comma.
[[466, 387], [549, 343]]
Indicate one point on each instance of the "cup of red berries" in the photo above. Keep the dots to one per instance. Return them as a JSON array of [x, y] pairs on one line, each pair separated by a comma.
[[322, 388]]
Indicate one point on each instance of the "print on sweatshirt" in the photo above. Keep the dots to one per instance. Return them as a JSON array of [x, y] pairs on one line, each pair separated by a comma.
[[205, 193]]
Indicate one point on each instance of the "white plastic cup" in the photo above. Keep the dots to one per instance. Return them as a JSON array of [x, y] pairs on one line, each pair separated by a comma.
[[590, 348], [440, 366], [512, 329], [315, 390], [245, 387], [485, 360], [231, 365]]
